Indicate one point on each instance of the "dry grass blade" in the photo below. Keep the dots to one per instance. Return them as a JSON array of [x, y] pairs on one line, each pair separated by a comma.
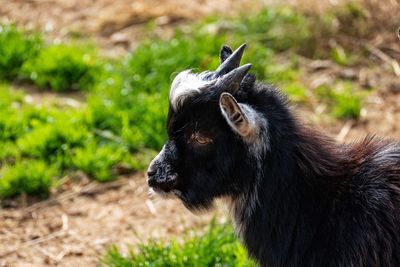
[[61, 197], [89, 189], [344, 131], [56, 258], [385, 58], [151, 207]]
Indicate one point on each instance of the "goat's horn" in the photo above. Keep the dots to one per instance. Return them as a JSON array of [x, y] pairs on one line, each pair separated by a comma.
[[232, 62], [231, 81]]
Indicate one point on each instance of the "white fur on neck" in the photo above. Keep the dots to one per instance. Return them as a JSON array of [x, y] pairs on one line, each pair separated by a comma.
[[242, 207]]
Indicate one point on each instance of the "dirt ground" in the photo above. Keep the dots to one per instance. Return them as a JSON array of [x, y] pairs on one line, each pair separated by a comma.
[[77, 224], [74, 228]]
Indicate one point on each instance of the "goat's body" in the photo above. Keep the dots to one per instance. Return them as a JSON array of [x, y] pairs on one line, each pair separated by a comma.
[[318, 204], [298, 199]]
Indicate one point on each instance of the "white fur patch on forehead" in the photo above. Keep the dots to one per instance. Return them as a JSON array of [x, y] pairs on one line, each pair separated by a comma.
[[186, 84]]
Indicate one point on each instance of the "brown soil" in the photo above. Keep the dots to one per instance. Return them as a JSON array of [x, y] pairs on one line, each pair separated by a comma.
[[380, 113], [74, 227], [80, 221]]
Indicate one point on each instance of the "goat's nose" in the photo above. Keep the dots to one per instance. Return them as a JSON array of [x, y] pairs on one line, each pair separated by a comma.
[[152, 170]]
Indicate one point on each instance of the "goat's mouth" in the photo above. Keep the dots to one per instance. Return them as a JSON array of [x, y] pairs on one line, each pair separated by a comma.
[[163, 185]]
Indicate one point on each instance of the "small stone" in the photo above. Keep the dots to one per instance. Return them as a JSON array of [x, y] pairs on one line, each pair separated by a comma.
[[394, 87]]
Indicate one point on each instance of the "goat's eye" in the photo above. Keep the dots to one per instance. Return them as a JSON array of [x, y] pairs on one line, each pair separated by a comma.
[[200, 139]]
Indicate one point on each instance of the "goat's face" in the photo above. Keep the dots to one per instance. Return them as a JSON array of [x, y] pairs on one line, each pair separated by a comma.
[[209, 135]]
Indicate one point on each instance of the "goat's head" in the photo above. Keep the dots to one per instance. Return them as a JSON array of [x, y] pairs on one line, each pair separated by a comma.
[[212, 136]]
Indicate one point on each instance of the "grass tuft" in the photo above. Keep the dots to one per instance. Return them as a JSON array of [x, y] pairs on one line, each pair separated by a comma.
[[279, 29], [33, 177], [344, 100], [63, 68], [99, 161], [218, 246], [53, 141], [16, 47]]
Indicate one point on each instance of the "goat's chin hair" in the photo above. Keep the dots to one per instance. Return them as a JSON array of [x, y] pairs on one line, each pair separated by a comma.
[[173, 194], [197, 207]]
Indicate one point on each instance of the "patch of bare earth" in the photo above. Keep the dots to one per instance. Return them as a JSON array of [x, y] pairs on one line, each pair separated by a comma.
[[75, 227], [380, 113], [39, 97]]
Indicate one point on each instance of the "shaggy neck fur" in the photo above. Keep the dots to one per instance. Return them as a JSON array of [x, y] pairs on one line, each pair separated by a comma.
[[293, 185], [298, 208]]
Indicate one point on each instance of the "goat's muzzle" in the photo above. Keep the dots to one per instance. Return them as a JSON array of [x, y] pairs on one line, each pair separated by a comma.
[[160, 175], [160, 179]]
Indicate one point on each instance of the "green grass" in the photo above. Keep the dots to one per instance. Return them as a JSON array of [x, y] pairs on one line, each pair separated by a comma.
[[345, 58], [279, 29], [63, 138], [297, 92], [53, 141], [28, 176], [12, 124], [98, 161], [343, 99], [218, 246], [55, 67], [16, 47], [63, 68]]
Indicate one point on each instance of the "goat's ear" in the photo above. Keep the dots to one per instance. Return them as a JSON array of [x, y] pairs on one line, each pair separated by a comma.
[[238, 118], [225, 52]]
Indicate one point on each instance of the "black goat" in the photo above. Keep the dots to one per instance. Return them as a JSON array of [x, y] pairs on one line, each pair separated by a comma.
[[297, 198]]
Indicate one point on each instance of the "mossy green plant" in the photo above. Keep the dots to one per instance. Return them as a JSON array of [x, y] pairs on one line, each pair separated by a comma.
[[16, 47], [343, 99], [33, 177], [218, 246], [99, 161], [63, 68]]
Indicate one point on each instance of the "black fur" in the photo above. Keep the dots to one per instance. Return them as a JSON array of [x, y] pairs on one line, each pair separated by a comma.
[[318, 204]]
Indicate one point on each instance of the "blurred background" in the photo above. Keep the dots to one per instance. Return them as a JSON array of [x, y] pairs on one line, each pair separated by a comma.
[[84, 97]]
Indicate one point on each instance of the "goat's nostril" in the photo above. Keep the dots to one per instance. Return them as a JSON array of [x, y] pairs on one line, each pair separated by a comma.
[[151, 172]]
